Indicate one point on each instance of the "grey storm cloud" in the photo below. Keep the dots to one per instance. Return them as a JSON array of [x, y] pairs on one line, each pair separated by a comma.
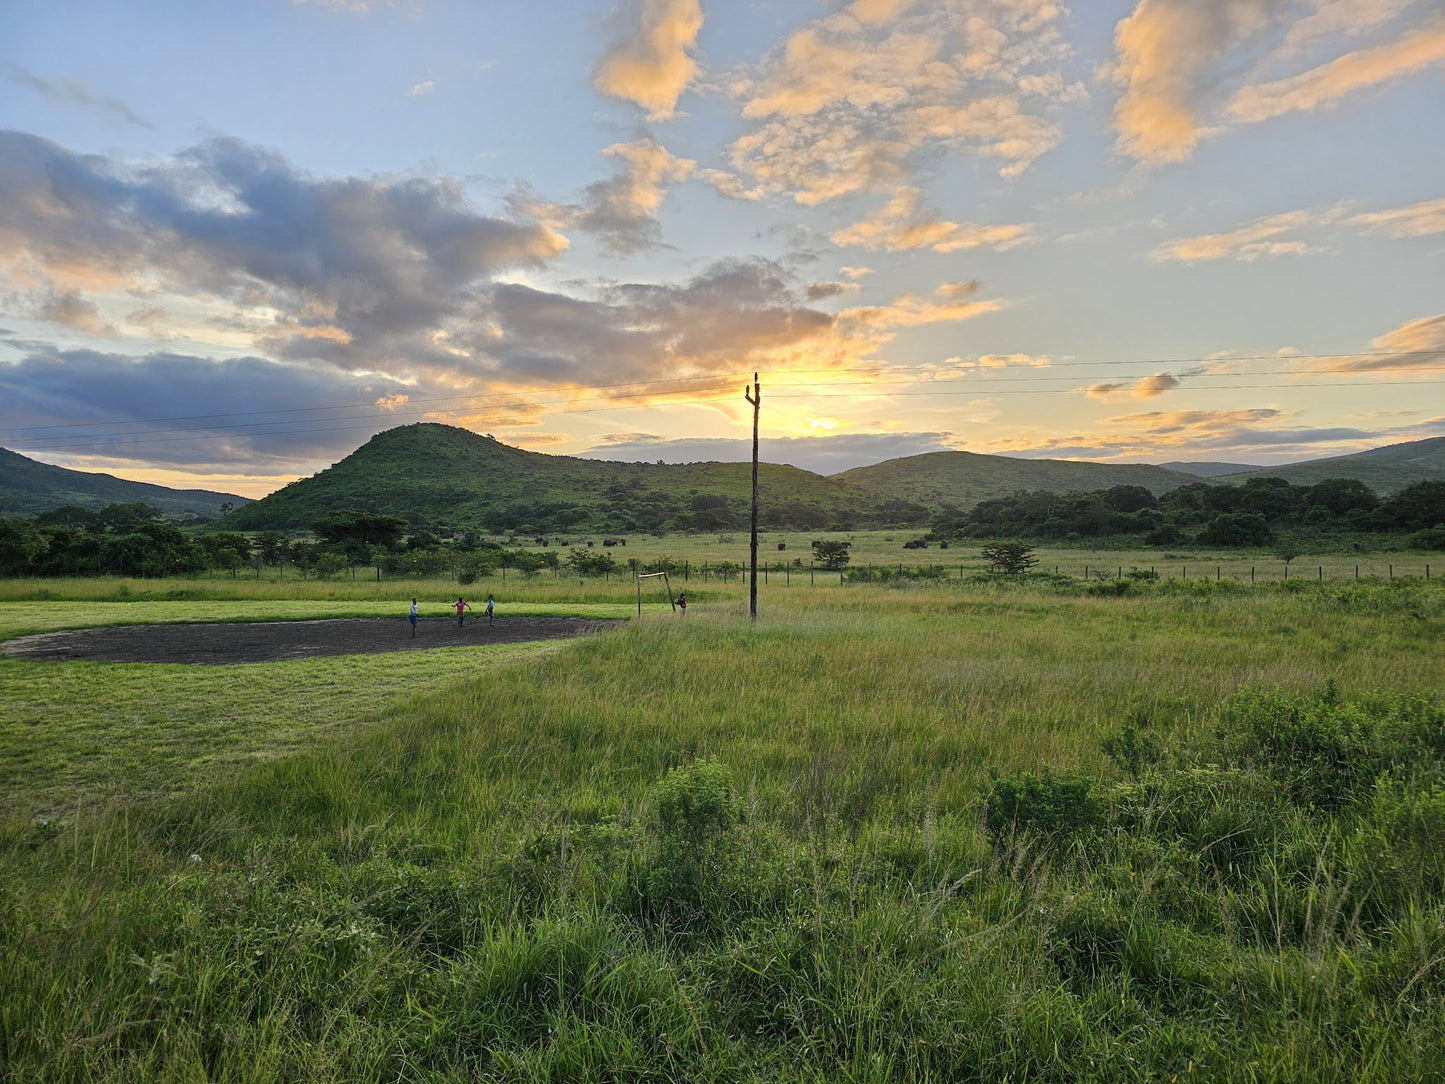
[[822, 455], [243, 414], [357, 265], [637, 331]]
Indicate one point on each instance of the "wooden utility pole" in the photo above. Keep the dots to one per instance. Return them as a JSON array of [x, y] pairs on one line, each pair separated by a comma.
[[754, 396]]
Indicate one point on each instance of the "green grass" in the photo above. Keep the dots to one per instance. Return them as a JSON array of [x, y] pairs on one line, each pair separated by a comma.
[[695, 849]]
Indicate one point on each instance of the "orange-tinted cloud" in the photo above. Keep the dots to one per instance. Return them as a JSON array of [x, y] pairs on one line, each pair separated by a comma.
[[1416, 348], [1247, 243], [1148, 387], [653, 64], [902, 224], [847, 101], [1327, 84], [1415, 220], [1162, 51], [1176, 60]]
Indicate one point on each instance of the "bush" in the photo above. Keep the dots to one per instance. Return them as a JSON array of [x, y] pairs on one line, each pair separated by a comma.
[[1047, 805], [696, 811], [1325, 752]]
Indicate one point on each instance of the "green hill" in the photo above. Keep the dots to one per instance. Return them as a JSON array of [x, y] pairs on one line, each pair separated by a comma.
[[442, 475], [1385, 470], [28, 488], [965, 478]]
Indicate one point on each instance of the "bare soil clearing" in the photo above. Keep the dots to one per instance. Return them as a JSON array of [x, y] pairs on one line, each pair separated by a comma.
[[272, 641]]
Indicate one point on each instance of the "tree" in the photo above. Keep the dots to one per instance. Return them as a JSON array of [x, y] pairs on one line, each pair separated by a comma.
[[1236, 529], [271, 545], [363, 528], [1009, 557], [831, 553]]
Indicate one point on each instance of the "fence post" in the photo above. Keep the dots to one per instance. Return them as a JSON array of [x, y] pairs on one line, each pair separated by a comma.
[[1183, 572], [1322, 573], [1392, 572], [1251, 573], [686, 571], [1357, 572], [810, 573], [1218, 572]]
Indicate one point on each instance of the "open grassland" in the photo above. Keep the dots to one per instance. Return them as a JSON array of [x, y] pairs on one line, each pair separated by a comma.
[[953, 832]]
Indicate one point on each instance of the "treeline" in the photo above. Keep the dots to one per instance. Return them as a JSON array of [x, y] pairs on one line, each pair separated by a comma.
[[1256, 513], [134, 540]]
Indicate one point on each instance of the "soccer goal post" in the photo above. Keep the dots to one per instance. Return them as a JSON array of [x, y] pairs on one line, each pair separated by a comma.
[[666, 583]]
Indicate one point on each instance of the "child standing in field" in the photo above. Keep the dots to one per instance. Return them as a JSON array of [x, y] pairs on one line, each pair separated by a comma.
[[461, 604], [412, 618], [491, 608], [682, 602]]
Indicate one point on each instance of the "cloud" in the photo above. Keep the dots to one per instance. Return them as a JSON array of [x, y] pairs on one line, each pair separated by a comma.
[[262, 424], [426, 86], [652, 65], [1265, 236], [1349, 17], [1179, 64], [1148, 387], [75, 312], [388, 263], [1262, 433], [949, 303], [350, 7], [855, 101], [1164, 53], [817, 291], [1418, 344], [1415, 220], [821, 454], [1327, 84], [901, 225], [76, 92], [1008, 361], [1248, 243], [622, 210], [855, 273]]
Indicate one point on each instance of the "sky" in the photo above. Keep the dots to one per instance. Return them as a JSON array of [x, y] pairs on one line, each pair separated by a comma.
[[238, 240]]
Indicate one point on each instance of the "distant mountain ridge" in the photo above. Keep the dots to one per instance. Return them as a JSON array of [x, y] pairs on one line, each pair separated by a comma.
[[1206, 469], [1386, 470], [966, 477], [29, 487]]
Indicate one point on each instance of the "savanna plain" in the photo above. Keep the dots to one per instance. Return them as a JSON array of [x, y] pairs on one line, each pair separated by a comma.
[[1025, 828]]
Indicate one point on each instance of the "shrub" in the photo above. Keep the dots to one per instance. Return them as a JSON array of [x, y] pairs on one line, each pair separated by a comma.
[[1326, 752], [1047, 805], [696, 811]]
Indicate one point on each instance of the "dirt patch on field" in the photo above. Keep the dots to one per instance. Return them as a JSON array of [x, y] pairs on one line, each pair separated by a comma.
[[272, 641]]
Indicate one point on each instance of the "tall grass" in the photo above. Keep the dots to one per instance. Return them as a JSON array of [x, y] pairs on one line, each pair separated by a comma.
[[697, 849]]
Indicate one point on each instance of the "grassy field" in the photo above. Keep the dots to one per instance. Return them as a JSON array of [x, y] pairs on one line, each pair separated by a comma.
[[969, 831]]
